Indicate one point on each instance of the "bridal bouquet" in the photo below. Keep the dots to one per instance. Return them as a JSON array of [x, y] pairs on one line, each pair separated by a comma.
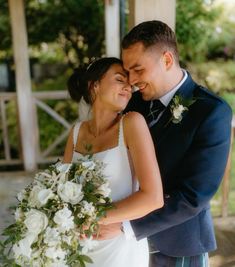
[[63, 203]]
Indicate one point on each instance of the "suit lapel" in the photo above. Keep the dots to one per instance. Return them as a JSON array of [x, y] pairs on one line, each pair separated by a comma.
[[164, 123]]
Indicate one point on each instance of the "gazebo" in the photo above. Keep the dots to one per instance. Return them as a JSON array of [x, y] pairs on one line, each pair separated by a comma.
[[140, 10]]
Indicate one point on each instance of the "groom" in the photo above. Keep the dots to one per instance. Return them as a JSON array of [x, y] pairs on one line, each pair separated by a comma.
[[190, 127]]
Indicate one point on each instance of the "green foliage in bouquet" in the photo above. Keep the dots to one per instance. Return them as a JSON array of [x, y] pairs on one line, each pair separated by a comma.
[[64, 203]]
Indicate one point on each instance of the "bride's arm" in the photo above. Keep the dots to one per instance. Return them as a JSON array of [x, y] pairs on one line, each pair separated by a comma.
[[150, 195]]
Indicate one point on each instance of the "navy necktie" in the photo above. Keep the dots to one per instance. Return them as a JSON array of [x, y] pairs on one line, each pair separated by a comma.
[[155, 108]]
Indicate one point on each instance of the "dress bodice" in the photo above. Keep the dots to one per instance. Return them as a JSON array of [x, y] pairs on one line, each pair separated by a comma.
[[117, 251], [117, 169]]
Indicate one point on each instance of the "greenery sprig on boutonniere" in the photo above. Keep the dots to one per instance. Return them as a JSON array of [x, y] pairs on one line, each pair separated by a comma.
[[179, 106]]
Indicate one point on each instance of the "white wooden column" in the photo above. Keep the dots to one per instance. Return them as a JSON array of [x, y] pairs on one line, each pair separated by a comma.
[[142, 10], [23, 85], [112, 28]]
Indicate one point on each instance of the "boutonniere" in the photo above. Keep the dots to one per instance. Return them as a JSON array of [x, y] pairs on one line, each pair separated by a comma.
[[179, 106]]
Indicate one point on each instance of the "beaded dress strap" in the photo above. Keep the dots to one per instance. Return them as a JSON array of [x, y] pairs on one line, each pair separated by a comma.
[[121, 133], [75, 133]]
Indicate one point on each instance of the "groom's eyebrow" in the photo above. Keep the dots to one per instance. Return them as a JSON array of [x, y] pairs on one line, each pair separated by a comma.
[[134, 66]]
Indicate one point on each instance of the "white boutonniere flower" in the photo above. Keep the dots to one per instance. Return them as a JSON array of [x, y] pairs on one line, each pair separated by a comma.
[[178, 107]]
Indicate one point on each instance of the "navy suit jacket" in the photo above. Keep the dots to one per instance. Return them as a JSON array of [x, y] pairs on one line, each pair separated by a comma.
[[192, 156]]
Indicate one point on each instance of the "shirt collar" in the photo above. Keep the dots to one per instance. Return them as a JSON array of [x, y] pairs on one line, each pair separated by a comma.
[[166, 99]]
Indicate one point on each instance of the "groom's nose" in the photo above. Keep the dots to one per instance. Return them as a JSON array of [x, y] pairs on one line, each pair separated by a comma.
[[133, 79]]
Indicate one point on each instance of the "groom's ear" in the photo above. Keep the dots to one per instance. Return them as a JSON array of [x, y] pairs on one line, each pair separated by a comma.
[[168, 59]]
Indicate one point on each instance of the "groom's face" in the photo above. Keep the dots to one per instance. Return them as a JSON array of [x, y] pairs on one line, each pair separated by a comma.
[[146, 70]]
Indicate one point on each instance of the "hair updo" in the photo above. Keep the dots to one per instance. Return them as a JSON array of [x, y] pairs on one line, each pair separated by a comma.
[[81, 81]]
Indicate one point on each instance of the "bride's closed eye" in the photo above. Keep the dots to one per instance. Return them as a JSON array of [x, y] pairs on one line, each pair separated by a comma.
[[121, 79]]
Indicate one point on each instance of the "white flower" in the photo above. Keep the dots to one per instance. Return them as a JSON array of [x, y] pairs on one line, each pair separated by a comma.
[[88, 244], [104, 189], [33, 196], [70, 192], [52, 237], [23, 248], [56, 263], [37, 263], [63, 167], [19, 215], [87, 208], [36, 221], [177, 111], [55, 253], [89, 165], [64, 220], [21, 195], [44, 195], [67, 239]]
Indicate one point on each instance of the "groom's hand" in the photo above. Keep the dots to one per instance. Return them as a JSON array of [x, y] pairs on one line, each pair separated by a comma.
[[108, 231]]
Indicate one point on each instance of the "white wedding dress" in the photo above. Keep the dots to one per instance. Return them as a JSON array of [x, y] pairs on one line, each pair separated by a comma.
[[117, 252]]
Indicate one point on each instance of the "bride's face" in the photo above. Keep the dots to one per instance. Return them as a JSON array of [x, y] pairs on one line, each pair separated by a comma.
[[113, 90]]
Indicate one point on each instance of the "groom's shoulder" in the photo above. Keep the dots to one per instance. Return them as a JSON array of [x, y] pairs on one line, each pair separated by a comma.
[[136, 103]]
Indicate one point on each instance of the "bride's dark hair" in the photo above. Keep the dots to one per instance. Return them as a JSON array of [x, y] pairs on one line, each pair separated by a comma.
[[83, 78]]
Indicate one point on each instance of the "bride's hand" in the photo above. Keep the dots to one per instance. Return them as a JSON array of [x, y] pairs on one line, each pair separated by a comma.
[[108, 231]]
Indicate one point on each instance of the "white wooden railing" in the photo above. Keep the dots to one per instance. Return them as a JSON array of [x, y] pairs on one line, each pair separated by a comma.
[[38, 98], [44, 156]]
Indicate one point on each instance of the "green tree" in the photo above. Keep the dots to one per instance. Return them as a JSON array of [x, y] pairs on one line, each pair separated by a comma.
[[77, 25], [194, 27], [221, 43]]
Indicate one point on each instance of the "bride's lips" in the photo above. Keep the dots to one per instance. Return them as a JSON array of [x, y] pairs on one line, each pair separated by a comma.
[[126, 95]]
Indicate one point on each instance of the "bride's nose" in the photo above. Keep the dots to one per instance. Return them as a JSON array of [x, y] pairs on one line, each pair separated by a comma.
[[127, 88]]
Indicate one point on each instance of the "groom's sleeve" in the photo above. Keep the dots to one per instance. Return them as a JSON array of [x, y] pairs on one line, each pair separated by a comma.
[[198, 175]]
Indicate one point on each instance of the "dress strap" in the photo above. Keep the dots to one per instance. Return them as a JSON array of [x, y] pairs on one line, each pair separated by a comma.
[[121, 141], [75, 133]]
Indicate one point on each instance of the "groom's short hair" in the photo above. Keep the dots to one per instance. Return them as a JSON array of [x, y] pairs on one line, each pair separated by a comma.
[[151, 33]]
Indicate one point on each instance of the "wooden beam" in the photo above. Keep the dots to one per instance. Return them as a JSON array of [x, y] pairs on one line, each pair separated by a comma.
[[142, 10], [112, 28], [23, 84]]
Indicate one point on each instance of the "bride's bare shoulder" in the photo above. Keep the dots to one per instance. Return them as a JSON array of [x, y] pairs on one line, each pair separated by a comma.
[[133, 118]]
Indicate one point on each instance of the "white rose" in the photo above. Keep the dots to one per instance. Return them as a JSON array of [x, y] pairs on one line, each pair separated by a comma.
[[44, 195], [36, 221], [55, 253], [52, 236], [23, 248], [33, 196], [64, 220], [70, 192], [104, 189], [87, 208], [177, 112], [90, 165]]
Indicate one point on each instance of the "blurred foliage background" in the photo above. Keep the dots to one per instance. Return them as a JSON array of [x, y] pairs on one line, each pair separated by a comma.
[[64, 34]]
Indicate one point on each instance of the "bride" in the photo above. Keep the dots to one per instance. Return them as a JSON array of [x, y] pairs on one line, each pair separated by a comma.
[[124, 143]]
